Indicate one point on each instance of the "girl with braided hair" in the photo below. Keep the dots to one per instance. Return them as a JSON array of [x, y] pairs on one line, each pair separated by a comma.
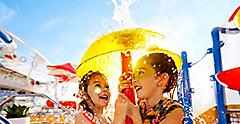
[[154, 75], [95, 95]]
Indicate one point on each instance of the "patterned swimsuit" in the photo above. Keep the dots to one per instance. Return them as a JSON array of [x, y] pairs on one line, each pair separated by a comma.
[[159, 112], [91, 118]]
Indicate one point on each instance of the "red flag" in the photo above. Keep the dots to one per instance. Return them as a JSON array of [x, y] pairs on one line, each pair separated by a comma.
[[66, 67], [63, 72], [229, 78]]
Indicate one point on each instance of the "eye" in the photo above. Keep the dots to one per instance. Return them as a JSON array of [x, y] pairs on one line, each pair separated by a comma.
[[140, 73], [97, 86]]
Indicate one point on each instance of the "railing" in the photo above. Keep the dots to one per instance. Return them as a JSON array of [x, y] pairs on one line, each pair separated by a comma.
[[72, 112]]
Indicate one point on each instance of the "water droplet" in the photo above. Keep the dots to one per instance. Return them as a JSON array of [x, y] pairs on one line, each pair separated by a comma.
[[97, 89], [144, 62], [174, 70]]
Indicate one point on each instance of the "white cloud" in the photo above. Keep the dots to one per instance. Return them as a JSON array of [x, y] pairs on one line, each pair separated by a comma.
[[6, 13]]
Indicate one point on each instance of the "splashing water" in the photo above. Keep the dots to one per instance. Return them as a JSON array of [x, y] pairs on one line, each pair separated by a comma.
[[97, 89], [121, 13]]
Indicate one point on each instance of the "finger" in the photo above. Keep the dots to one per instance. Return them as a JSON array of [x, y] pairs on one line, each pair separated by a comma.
[[123, 97], [119, 98], [121, 87], [128, 101]]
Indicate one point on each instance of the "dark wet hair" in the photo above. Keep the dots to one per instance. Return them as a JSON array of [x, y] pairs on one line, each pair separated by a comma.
[[87, 102], [162, 63]]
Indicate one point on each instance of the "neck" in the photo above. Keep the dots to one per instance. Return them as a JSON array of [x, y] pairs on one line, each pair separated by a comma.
[[99, 114], [98, 111], [154, 99]]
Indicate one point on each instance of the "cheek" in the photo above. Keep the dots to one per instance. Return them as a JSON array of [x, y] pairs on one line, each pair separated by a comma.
[[147, 81], [92, 94], [149, 85]]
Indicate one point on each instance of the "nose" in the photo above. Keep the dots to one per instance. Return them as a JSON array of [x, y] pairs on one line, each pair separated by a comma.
[[105, 90], [134, 79]]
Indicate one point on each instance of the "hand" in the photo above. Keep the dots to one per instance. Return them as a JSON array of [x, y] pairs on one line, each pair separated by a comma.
[[124, 104], [121, 109], [121, 103], [125, 81]]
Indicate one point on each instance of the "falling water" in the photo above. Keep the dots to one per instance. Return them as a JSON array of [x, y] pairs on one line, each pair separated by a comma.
[[180, 96], [122, 14]]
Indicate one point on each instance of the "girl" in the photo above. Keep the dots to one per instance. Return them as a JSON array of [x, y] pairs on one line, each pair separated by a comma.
[[154, 75], [94, 91]]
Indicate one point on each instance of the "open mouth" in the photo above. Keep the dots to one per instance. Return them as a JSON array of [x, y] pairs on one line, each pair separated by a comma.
[[104, 97], [137, 88]]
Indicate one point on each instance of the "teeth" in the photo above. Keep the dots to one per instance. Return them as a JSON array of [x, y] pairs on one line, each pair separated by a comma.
[[104, 97]]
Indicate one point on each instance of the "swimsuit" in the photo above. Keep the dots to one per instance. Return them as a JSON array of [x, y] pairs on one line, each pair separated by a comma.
[[91, 118], [159, 112]]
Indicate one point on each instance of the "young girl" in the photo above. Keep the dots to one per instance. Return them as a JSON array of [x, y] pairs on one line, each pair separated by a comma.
[[154, 75], [94, 91]]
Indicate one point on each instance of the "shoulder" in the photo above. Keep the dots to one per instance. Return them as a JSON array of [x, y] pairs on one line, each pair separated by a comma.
[[171, 105], [175, 117], [81, 118], [173, 112]]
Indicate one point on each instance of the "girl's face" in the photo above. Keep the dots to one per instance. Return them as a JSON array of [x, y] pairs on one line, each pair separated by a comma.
[[98, 90], [144, 79]]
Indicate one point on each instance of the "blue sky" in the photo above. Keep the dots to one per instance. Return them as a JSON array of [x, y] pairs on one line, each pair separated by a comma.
[[62, 30]]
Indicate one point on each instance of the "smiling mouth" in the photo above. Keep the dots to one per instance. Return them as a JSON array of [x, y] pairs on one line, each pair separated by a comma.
[[137, 88], [104, 97]]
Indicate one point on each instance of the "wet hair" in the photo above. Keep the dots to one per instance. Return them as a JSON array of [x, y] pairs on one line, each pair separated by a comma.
[[162, 63], [87, 102]]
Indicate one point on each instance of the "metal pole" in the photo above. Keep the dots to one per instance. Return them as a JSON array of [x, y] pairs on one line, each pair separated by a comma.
[[187, 100], [219, 91]]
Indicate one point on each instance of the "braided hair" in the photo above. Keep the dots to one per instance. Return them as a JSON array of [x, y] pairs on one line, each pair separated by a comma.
[[162, 63], [87, 102]]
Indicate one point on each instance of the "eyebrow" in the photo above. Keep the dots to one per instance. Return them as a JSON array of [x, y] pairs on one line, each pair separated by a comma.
[[142, 68], [96, 82]]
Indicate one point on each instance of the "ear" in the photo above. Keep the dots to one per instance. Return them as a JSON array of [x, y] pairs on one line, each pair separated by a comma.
[[163, 79]]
